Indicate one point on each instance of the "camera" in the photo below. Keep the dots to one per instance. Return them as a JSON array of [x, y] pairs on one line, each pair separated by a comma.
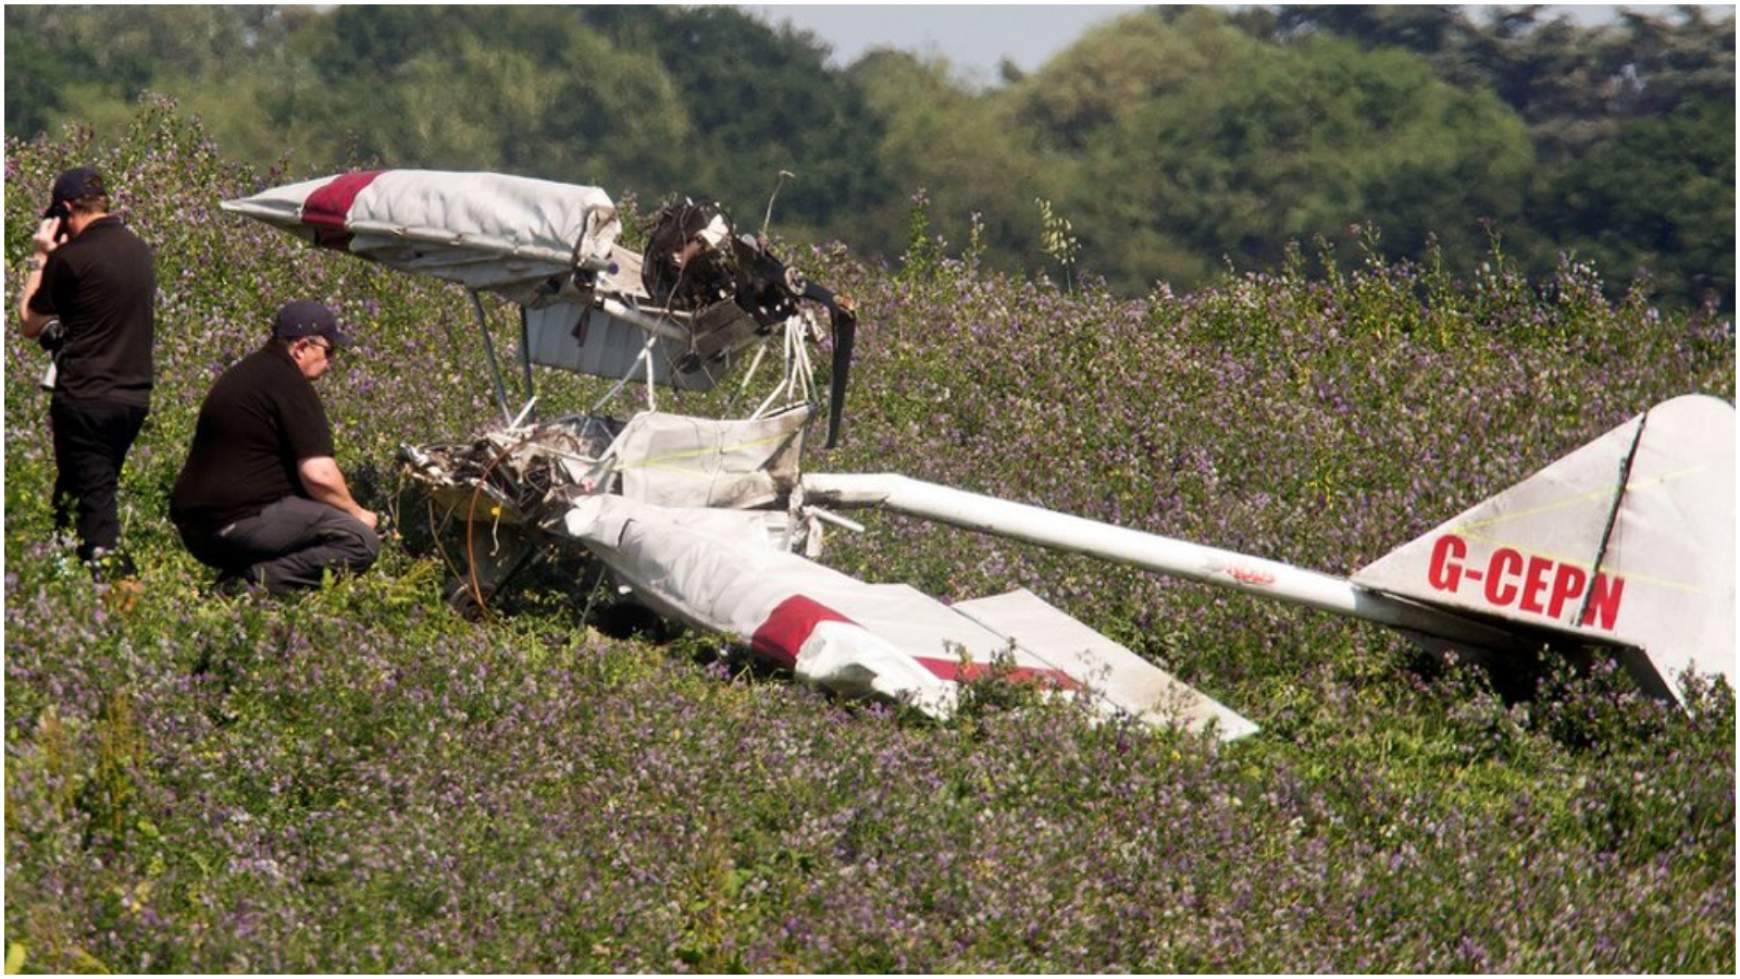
[[52, 337]]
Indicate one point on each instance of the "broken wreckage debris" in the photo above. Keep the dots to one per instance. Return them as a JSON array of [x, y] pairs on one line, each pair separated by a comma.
[[1626, 544]]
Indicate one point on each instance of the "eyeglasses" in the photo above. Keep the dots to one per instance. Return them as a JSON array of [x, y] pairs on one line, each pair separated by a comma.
[[325, 347]]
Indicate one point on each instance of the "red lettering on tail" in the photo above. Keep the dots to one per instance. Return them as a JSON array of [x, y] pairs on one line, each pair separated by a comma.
[[1504, 561], [1568, 584], [1604, 602], [1445, 571], [1535, 582]]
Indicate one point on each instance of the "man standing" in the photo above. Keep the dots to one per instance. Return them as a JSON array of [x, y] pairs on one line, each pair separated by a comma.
[[98, 280], [260, 497]]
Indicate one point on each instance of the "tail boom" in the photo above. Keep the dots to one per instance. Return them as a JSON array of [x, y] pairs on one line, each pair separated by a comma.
[[1153, 552], [1627, 542]]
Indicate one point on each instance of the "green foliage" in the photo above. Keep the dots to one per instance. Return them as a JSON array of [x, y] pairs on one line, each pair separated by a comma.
[[1656, 203], [924, 250], [968, 152], [761, 101], [1060, 246], [1180, 140], [1242, 146], [35, 95], [1631, 121]]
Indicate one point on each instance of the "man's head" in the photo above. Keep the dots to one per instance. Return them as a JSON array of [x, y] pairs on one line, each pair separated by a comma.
[[79, 197], [309, 332]]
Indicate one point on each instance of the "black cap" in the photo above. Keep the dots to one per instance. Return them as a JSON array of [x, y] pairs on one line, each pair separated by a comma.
[[72, 185], [307, 318]]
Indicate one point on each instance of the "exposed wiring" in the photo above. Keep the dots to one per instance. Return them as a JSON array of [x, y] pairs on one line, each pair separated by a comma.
[[767, 219], [435, 531], [471, 516]]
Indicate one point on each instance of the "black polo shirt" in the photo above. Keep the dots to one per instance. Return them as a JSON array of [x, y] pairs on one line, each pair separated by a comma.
[[260, 419], [102, 286]]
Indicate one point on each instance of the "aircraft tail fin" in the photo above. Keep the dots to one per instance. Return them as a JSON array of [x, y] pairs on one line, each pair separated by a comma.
[[1627, 541]]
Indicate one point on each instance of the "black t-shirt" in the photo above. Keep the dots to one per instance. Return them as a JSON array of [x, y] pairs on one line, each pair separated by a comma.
[[102, 285], [261, 418]]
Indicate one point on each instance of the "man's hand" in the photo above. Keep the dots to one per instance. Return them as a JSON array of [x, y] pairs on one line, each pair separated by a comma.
[[47, 237], [324, 483], [45, 241]]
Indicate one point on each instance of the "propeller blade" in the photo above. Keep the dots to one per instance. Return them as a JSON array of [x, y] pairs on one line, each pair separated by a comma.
[[845, 324]]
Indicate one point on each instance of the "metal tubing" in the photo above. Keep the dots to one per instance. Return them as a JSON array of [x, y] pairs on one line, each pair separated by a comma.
[[666, 326], [1229, 569], [526, 356], [507, 413]]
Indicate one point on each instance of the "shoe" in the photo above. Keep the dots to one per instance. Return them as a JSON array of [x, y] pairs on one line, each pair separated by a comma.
[[108, 564]]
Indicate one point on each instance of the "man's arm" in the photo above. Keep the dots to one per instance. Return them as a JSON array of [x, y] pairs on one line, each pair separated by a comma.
[[325, 484], [45, 244]]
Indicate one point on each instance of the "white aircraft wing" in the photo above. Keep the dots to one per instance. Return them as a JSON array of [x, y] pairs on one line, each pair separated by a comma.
[[485, 231], [518, 237], [718, 570]]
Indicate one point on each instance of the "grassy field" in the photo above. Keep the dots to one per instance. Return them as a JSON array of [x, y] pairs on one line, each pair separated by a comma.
[[361, 779]]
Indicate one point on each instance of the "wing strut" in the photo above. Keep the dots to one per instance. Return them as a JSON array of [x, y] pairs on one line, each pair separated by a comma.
[[526, 356], [507, 414]]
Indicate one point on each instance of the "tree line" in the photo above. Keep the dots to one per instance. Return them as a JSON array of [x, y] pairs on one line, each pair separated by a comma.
[[1176, 141]]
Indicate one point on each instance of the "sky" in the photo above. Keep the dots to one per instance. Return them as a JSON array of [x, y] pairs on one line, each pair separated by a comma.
[[975, 39]]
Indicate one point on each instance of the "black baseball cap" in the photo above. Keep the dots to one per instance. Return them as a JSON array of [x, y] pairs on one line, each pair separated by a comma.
[[72, 185], [307, 318]]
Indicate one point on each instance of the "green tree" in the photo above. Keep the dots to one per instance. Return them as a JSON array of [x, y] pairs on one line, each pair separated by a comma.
[[1656, 201], [35, 76], [1174, 138], [761, 101], [968, 152], [1201, 141]]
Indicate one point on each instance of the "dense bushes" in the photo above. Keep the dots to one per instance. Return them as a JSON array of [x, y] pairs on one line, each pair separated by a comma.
[[361, 780]]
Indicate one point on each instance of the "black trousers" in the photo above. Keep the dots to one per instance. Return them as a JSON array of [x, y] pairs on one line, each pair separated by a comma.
[[287, 545], [91, 440]]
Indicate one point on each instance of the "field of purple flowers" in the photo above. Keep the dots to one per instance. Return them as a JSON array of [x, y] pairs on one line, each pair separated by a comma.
[[362, 780]]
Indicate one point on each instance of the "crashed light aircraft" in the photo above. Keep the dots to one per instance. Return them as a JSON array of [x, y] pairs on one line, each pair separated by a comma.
[[1626, 544]]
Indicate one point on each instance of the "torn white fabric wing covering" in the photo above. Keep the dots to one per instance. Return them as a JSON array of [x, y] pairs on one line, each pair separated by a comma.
[[684, 461], [888, 642]]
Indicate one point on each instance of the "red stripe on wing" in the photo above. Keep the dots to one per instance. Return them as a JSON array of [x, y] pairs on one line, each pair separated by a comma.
[[328, 207], [949, 669], [789, 626]]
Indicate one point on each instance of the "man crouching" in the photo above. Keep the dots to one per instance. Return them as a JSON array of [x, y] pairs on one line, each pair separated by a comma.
[[260, 497]]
